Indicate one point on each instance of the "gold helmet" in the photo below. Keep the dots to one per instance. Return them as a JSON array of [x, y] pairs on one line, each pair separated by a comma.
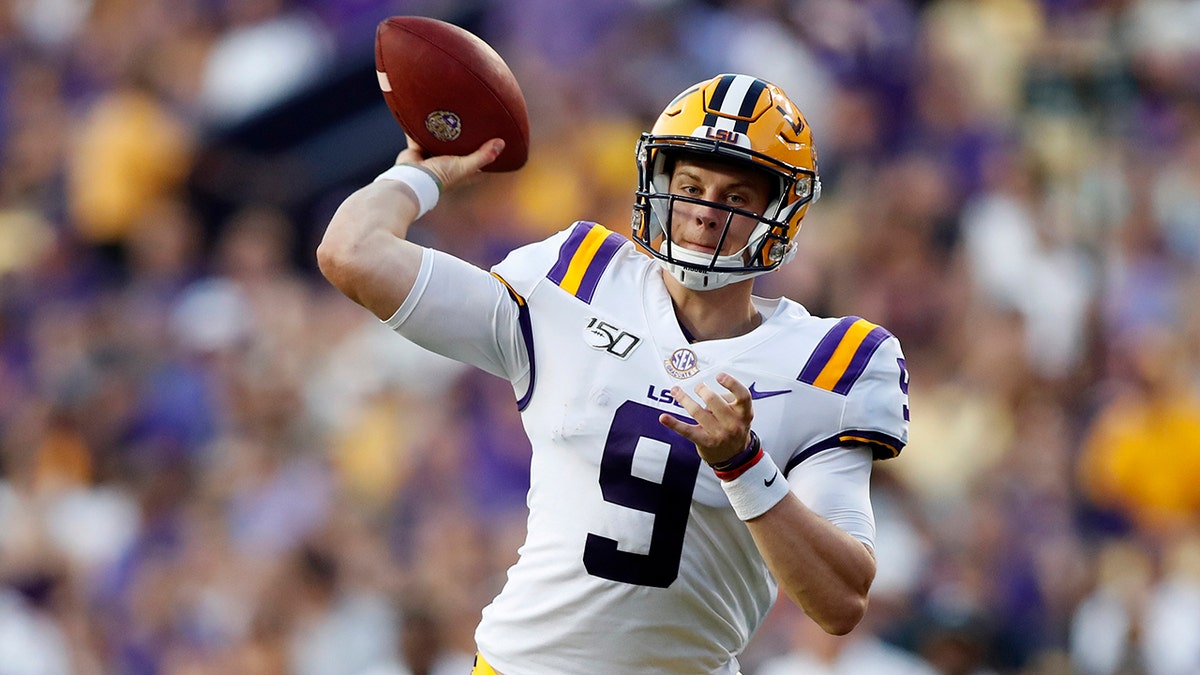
[[735, 118]]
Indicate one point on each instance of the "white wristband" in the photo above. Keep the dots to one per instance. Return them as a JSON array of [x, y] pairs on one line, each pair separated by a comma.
[[758, 489], [422, 183]]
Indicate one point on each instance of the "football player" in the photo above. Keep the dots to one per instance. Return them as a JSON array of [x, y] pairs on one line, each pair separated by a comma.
[[695, 447]]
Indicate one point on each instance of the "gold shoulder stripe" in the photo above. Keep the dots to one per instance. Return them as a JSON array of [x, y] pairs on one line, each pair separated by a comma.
[[583, 258], [840, 361], [842, 355], [511, 291]]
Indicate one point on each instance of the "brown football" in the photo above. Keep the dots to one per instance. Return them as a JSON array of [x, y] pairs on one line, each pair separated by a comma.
[[450, 90]]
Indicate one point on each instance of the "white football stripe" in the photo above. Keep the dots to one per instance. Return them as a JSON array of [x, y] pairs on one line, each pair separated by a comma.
[[737, 91], [383, 81]]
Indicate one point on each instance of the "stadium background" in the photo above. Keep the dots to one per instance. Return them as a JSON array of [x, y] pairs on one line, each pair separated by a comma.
[[211, 462]]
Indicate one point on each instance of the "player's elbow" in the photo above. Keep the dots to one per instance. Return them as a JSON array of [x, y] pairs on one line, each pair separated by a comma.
[[348, 259], [344, 251], [836, 614], [371, 266], [842, 618], [337, 260]]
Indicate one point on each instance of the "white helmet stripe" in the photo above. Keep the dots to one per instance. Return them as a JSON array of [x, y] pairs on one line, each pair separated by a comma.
[[724, 123], [735, 96]]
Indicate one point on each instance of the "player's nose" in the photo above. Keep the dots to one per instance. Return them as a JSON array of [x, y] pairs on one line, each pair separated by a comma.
[[709, 215]]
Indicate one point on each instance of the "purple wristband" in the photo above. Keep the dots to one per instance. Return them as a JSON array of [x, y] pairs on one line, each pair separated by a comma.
[[733, 463]]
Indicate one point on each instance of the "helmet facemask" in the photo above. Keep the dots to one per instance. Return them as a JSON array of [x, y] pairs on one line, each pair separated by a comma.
[[744, 121], [768, 245]]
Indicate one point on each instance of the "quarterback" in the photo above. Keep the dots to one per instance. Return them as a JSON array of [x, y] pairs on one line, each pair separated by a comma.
[[696, 448]]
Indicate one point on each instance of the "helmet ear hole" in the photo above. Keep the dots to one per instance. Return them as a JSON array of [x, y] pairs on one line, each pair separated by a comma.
[[777, 251]]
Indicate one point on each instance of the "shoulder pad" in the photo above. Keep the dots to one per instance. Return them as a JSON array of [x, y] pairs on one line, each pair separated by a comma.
[[864, 363], [842, 355], [583, 257]]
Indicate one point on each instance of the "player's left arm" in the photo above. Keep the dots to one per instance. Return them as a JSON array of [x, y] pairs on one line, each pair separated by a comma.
[[821, 567]]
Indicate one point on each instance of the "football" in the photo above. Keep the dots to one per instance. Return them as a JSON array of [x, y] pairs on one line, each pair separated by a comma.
[[450, 90]]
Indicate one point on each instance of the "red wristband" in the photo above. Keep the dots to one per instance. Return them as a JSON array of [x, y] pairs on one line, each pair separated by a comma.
[[741, 462]]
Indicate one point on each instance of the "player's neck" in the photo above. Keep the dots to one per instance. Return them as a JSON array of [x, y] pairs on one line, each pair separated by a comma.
[[715, 314]]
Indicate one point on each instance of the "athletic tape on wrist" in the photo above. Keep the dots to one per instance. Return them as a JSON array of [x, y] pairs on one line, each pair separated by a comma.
[[422, 183], [758, 489]]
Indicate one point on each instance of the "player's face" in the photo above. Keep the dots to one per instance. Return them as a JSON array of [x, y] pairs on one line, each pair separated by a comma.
[[699, 227]]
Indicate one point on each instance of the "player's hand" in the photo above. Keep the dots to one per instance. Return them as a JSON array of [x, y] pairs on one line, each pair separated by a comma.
[[722, 427], [451, 169]]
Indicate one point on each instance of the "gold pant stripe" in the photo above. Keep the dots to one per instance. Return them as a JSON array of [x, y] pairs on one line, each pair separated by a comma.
[[482, 667]]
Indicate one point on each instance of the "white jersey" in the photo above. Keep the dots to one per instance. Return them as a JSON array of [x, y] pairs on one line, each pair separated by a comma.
[[634, 560]]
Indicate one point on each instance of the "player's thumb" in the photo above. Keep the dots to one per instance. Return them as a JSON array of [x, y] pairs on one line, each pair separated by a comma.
[[486, 154], [454, 169]]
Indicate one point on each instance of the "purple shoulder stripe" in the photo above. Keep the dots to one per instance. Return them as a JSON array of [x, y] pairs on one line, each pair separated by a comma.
[[583, 258], [825, 349], [567, 251], [862, 356]]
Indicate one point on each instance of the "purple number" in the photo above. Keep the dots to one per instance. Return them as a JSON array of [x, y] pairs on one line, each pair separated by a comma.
[[670, 501], [903, 383]]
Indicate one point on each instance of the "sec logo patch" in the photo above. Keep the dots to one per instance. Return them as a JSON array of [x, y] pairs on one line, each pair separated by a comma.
[[682, 364]]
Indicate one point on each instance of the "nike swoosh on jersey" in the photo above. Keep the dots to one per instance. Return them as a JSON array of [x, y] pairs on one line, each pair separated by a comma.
[[755, 395], [769, 483]]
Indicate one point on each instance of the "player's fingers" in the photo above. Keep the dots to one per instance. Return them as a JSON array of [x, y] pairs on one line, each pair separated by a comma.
[[451, 170], [678, 426], [412, 152], [718, 404], [739, 395], [689, 404], [734, 386], [723, 406], [486, 153]]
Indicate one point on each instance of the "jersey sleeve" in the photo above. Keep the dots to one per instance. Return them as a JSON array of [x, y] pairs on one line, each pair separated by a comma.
[[462, 312], [861, 362], [836, 485], [876, 411]]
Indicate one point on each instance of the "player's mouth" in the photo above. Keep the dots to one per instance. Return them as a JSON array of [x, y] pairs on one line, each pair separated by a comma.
[[699, 248]]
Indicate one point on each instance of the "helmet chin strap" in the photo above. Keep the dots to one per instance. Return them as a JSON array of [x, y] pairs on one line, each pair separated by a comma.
[[697, 280]]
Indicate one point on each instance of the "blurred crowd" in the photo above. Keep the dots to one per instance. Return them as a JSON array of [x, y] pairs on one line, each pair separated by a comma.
[[212, 462]]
